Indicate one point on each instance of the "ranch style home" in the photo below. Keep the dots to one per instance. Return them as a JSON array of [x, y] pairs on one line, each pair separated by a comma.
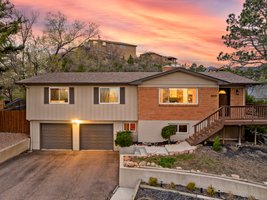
[[85, 110]]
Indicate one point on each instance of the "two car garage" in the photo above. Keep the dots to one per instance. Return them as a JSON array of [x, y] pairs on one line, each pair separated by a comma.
[[92, 136]]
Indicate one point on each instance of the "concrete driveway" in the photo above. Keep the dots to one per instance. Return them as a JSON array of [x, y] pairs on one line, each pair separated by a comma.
[[60, 175]]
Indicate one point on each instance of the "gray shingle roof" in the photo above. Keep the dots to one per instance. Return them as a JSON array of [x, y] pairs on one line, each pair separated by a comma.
[[230, 77], [87, 77], [126, 77]]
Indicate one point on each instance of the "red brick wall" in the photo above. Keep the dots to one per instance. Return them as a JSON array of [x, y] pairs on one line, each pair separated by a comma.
[[237, 99], [149, 108]]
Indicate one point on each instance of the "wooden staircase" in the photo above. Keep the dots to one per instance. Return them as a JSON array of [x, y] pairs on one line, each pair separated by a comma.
[[228, 115]]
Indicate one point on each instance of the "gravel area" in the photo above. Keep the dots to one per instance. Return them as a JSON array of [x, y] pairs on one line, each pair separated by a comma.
[[7, 139], [149, 194]]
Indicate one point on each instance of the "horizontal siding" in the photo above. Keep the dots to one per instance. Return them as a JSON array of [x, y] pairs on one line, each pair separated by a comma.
[[179, 79], [83, 108]]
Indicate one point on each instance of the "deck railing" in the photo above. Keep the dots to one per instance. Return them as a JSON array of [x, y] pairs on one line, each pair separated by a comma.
[[251, 112]]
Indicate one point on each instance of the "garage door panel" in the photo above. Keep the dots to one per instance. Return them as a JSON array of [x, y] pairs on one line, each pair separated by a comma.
[[96, 136], [56, 136]]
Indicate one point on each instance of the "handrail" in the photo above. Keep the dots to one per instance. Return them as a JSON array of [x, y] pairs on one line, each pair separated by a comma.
[[248, 112]]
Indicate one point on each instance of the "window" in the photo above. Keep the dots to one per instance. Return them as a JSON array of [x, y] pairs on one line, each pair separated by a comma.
[[104, 44], [129, 127], [109, 95], [178, 96], [182, 128], [58, 95], [122, 46]]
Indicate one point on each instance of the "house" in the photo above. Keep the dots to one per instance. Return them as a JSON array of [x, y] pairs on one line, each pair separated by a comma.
[[85, 110], [158, 58], [259, 92], [112, 48]]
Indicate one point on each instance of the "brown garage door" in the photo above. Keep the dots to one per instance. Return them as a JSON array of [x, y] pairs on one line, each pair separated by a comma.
[[56, 136], [96, 136]]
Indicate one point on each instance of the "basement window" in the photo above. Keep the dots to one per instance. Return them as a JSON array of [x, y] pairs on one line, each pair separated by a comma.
[[129, 127]]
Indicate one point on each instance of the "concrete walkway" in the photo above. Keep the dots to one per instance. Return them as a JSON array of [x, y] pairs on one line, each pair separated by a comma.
[[183, 147], [122, 194]]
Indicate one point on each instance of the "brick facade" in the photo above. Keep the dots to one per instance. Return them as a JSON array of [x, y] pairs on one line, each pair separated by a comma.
[[237, 97], [150, 109]]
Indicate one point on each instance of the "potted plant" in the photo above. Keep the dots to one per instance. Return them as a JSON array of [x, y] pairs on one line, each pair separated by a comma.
[[124, 139]]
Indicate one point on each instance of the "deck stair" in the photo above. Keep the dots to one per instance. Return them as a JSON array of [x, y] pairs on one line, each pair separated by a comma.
[[228, 115]]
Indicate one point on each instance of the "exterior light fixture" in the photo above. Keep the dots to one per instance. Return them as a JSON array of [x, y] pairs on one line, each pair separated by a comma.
[[237, 92], [222, 92], [76, 121]]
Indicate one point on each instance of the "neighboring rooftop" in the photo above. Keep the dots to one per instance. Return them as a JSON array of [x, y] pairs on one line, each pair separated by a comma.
[[230, 77], [113, 42]]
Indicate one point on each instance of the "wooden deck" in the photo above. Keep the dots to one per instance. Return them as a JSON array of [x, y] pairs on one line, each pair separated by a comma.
[[228, 115]]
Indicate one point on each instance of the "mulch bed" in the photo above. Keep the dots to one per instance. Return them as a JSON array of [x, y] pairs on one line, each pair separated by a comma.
[[8, 139]]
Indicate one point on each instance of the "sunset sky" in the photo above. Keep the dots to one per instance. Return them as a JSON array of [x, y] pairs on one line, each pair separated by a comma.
[[190, 30]]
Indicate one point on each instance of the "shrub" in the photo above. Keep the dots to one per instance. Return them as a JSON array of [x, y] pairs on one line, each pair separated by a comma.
[[153, 181], [211, 191], [217, 144], [251, 198], [168, 131], [171, 186], [230, 196], [191, 186], [124, 139]]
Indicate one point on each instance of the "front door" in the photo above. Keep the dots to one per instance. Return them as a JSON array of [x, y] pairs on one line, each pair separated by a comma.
[[224, 99]]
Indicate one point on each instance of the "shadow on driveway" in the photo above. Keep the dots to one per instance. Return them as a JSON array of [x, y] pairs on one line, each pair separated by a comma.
[[60, 175]]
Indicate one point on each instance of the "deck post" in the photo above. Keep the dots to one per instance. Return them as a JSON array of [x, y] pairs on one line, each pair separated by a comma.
[[239, 135], [223, 136], [255, 137]]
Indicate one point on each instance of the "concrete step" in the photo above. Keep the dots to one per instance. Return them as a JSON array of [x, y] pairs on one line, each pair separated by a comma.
[[137, 152]]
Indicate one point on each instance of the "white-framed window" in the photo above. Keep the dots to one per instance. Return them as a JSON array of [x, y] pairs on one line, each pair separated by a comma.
[[104, 44], [178, 96], [181, 128], [129, 126], [109, 95], [58, 95]]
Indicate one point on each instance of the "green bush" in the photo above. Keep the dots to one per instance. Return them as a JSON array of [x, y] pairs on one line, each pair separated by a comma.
[[191, 186], [172, 186], [153, 181], [217, 144], [124, 139], [168, 131], [211, 191]]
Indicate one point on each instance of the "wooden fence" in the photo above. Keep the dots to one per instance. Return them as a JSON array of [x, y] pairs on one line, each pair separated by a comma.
[[14, 122]]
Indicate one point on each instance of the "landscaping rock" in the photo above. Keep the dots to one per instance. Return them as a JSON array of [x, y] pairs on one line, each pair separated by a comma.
[[235, 176], [148, 164], [142, 163], [153, 164], [129, 164], [179, 168]]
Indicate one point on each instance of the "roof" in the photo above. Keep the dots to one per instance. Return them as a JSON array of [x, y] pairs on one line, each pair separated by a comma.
[[135, 78], [114, 42], [86, 78], [230, 77]]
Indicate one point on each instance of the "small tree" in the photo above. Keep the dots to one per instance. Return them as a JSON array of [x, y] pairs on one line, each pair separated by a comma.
[[168, 131], [216, 144], [124, 139]]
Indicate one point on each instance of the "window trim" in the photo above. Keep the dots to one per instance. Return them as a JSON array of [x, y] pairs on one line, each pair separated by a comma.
[[129, 123], [99, 96], [68, 102], [161, 103]]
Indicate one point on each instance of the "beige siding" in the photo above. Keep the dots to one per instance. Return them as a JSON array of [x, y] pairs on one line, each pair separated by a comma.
[[83, 108], [179, 79], [150, 130]]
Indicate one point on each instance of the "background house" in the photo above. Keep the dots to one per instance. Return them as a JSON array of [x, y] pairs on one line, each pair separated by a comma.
[[259, 92], [112, 48], [160, 59]]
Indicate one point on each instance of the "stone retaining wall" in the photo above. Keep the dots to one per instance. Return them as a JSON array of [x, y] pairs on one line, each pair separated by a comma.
[[128, 177]]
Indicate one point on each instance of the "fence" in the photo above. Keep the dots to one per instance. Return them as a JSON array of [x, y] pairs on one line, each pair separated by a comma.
[[14, 121]]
